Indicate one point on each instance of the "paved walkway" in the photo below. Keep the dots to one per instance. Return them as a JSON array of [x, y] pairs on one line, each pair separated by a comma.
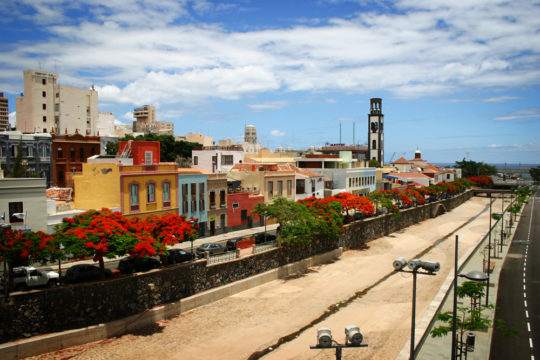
[[282, 316]]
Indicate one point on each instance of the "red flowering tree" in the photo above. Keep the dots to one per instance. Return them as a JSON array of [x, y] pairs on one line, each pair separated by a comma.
[[354, 202], [481, 181], [106, 234], [328, 216], [20, 248]]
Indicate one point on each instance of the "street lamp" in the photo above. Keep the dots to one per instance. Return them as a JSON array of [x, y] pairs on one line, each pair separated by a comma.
[[474, 276], [429, 267], [489, 251]]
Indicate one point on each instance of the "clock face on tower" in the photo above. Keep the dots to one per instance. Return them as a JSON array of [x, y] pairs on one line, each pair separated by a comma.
[[374, 126]]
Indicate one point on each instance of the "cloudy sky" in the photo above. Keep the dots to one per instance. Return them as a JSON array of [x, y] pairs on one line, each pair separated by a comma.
[[457, 78]]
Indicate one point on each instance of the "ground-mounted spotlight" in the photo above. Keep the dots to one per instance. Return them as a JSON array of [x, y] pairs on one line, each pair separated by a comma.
[[324, 337], [352, 335]]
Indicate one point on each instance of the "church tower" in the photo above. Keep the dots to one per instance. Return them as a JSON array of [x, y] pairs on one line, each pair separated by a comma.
[[375, 131]]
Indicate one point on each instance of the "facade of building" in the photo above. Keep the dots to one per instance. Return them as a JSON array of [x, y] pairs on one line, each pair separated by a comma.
[[217, 203], [403, 178], [4, 113], [105, 124], [198, 138], [308, 183], [23, 203], [145, 122], [269, 180], [137, 183], [340, 173], [217, 159], [69, 152], [375, 131], [46, 106], [239, 209], [250, 145], [192, 195], [37, 150]]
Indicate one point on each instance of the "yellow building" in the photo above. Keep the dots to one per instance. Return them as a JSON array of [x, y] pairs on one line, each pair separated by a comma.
[[137, 190]]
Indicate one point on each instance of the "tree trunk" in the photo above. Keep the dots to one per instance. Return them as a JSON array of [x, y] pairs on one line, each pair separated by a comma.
[[101, 267]]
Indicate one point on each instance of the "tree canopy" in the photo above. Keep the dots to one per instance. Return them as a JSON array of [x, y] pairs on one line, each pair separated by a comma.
[[171, 149], [535, 173], [473, 168]]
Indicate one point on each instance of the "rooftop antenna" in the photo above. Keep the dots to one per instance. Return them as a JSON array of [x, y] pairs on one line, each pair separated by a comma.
[[340, 132], [353, 133]]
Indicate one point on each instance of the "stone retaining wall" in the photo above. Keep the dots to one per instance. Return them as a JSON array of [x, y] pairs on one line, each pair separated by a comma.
[[70, 307]]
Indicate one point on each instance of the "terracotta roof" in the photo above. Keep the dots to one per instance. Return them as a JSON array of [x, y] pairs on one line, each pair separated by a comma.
[[408, 175], [59, 193], [401, 160], [310, 174]]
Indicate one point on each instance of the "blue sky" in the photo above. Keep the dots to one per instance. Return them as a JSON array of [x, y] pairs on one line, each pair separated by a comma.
[[457, 80]]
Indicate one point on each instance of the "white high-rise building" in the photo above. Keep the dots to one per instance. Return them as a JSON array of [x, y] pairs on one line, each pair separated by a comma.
[[46, 106]]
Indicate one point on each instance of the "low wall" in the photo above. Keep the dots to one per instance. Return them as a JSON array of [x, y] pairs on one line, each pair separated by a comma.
[[75, 306]]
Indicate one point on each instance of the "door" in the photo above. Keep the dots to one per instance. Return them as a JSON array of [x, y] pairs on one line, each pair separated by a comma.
[[212, 228]]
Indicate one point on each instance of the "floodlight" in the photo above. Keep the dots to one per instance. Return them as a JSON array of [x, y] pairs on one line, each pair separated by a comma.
[[400, 263], [353, 335], [324, 337], [430, 266], [414, 264]]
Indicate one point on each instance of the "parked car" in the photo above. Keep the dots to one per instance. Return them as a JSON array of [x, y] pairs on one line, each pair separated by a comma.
[[84, 272], [212, 248], [178, 255], [264, 237], [25, 277], [135, 264], [231, 243]]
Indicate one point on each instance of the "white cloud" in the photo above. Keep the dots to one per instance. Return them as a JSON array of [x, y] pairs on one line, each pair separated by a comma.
[[128, 116], [426, 48], [271, 105], [533, 113], [499, 99], [277, 133], [13, 119]]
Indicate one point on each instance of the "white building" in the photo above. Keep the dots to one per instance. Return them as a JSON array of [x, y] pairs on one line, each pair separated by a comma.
[[308, 183], [105, 124], [250, 145], [217, 159], [46, 106], [24, 203]]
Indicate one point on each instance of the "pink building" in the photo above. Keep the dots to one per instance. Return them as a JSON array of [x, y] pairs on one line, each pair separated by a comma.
[[239, 208]]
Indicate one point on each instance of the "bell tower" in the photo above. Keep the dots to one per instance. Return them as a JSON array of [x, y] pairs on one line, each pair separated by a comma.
[[375, 131]]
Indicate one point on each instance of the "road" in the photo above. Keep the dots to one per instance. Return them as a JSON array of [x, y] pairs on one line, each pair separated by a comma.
[[518, 300]]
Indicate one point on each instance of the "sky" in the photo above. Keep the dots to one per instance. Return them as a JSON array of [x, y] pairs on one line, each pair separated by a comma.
[[458, 79]]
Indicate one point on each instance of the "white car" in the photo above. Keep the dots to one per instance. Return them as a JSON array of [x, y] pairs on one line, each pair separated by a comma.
[[25, 277]]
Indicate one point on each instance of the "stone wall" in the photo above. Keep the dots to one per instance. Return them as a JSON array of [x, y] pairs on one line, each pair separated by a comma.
[[69, 307]]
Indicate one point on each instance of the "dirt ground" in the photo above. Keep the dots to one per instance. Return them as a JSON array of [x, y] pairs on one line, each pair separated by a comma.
[[377, 300]]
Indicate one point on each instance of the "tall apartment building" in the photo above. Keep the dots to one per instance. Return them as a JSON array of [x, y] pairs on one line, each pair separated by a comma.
[[46, 106], [146, 122], [4, 113]]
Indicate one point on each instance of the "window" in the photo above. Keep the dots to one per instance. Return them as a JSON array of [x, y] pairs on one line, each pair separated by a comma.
[[222, 201], [270, 189], [44, 118], [195, 160], [56, 107], [212, 199], [72, 154], [289, 187], [60, 176], [30, 151], [16, 214], [201, 196], [148, 158], [166, 194], [243, 215], [44, 106], [313, 186], [280, 187], [81, 155], [44, 81], [235, 205], [44, 94], [227, 160], [44, 130], [134, 197], [150, 193], [185, 198], [60, 153], [57, 94], [374, 144], [193, 197], [301, 186]]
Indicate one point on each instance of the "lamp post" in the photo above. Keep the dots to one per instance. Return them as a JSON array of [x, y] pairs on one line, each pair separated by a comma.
[[414, 265], [488, 270], [501, 216], [474, 276]]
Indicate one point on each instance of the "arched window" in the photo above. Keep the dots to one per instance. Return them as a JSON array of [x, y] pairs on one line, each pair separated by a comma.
[[166, 194], [150, 192], [134, 196]]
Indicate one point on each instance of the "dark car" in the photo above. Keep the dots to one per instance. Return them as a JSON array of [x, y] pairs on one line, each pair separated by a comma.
[[136, 264], [212, 248], [178, 255], [231, 243], [84, 272], [263, 237]]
